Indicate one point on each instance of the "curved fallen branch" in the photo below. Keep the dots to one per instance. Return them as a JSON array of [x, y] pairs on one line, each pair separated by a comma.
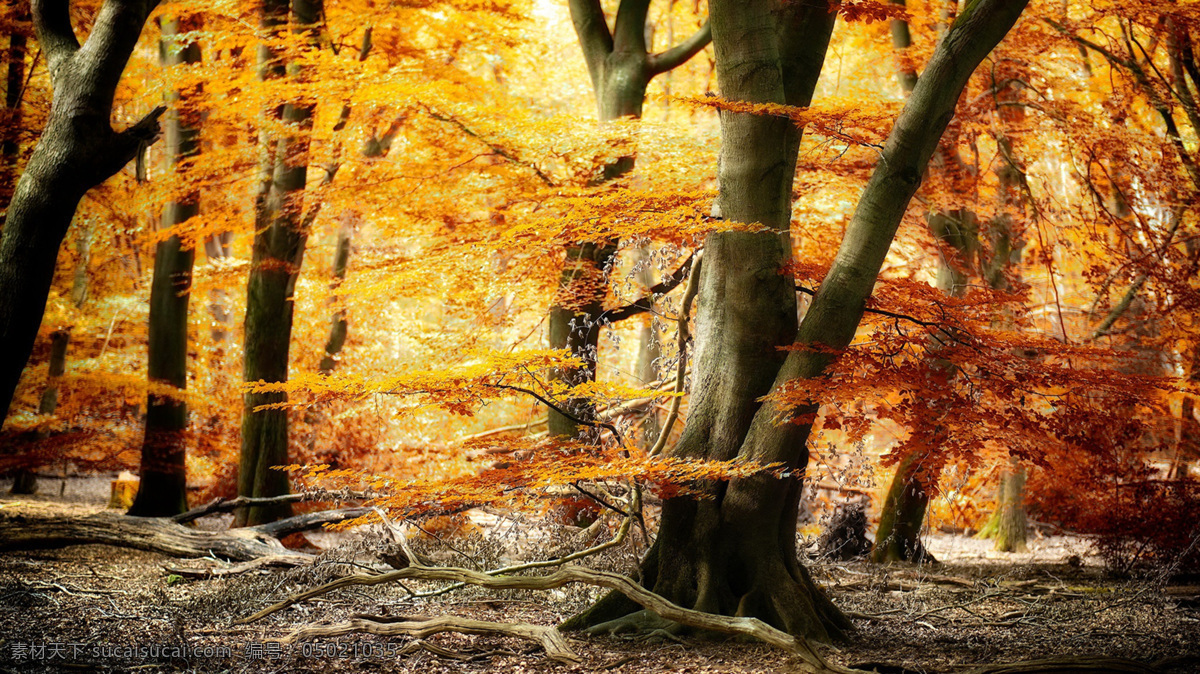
[[748, 627], [222, 505], [549, 638]]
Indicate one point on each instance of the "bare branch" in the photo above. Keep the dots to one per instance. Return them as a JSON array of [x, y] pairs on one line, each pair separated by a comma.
[[682, 52], [496, 149], [644, 304], [1136, 287]]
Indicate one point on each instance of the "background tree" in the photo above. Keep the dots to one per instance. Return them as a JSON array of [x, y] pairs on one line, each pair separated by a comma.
[[621, 66], [162, 490]]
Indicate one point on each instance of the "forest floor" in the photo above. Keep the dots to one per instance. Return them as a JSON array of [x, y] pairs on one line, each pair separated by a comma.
[[89, 608]]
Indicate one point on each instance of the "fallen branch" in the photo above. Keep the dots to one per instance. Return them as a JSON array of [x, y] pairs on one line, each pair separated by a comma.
[[219, 570], [221, 505], [550, 639], [26, 531], [308, 521], [21, 532]]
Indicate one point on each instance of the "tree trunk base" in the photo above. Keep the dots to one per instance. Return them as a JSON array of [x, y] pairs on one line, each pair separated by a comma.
[[25, 482], [747, 575]]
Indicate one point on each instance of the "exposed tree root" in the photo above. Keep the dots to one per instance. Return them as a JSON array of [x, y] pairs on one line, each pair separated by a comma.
[[550, 639], [741, 626]]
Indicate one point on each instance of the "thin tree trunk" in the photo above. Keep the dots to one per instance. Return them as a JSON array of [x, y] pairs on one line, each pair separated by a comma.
[[25, 479], [1008, 526], [649, 353], [275, 267], [162, 490], [902, 517], [10, 146]]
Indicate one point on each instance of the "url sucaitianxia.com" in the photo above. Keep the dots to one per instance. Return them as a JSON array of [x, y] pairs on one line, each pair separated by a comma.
[[49, 652]]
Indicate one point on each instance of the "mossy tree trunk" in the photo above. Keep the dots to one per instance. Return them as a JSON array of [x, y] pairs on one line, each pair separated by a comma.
[[162, 489], [1008, 526], [620, 67], [735, 552], [278, 252]]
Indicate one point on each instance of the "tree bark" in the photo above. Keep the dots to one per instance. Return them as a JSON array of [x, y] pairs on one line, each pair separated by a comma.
[[735, 553], [78, 150], [278, 252], [162, 490]]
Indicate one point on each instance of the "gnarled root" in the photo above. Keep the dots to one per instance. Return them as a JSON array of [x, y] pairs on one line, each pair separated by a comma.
[[550, 639]]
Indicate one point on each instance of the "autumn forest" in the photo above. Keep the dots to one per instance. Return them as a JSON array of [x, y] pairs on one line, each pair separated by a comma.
[[832, 336]]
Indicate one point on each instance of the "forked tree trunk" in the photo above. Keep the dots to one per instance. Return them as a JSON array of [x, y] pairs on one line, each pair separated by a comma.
[[78, 150], [162, 489], [621, 68], [735, 553], [275, 266]]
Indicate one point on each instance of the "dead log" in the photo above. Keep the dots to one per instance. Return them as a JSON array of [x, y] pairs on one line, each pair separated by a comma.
[[28, 531]]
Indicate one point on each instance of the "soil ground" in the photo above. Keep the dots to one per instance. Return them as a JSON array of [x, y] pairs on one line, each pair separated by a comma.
[[96, 608]]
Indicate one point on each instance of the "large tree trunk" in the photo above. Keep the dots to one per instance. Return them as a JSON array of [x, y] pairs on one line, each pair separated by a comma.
[[735, 552], [77, 151], [162, 490], [275, 267]]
